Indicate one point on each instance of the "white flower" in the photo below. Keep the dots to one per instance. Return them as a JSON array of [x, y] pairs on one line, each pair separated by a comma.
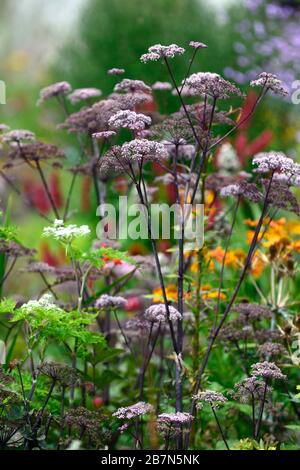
[[66, 233], [45, 302]]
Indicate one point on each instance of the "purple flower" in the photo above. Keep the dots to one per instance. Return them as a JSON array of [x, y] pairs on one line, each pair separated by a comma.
[[209, 396], [109, 301], [134, 411], [270, 82], [197, 45], [132, 86], [162, 86], [115, 71], [274, 161], [56, 89], [158, 51], [267, 370], [103, 135], [82, 94], [18, 136], [242, 188], [175, 418], [130, 120], [143, 149], [158, 313], [212, 84]]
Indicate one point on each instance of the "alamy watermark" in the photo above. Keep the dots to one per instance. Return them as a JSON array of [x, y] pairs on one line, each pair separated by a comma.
[[295, 97], [157, 221], [2, 92]]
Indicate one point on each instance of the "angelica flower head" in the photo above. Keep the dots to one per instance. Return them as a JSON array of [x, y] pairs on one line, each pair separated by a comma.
[[82, 94], [109, 301], [274, 161], [212, 84], [267, 370], [242, 188], [162, 86], [270, 82], [115, 71], [215, 399], [46, 302], [131, 86], [56, 89], [66, 233], [18, 135], [103, 135], [158, 313], [158, 51], [134, 411], [130, 120], [143, 149], [197, 45]]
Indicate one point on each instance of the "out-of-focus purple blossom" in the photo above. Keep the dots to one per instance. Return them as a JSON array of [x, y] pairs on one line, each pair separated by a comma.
[[131, 86], [4, 128], [115, 71], [109, 301], [197, 45], [82, 94], [162, 86], [56, 89], [181, 149], [103, 135], [277, 28], [18, 136], [157, 313]]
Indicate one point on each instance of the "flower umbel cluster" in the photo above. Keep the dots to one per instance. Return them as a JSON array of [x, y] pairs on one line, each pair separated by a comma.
[[66, 233], [158, 51], [215, 399], [109, 301], [54, 90], [270, 82], [274, 161], [134, 411], [130, 120], [211, 84], [82, 94], [267, 370], [158, 313]]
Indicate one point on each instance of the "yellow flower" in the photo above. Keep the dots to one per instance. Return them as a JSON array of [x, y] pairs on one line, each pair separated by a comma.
[[214, 295]]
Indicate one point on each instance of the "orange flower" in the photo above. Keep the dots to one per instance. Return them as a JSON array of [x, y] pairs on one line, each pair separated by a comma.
[[171, 293], [233, 257], [258, 264]]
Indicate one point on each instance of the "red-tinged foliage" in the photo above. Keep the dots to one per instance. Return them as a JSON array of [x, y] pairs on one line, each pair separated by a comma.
[[55, 189]]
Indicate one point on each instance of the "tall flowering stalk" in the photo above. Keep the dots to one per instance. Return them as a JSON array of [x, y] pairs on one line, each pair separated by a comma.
[[117, 134]]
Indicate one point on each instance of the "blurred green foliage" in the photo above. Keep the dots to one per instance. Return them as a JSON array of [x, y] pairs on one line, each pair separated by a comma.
[[116, 33]]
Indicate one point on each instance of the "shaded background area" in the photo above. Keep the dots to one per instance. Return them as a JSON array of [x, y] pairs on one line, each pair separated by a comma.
[[79, 41]]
